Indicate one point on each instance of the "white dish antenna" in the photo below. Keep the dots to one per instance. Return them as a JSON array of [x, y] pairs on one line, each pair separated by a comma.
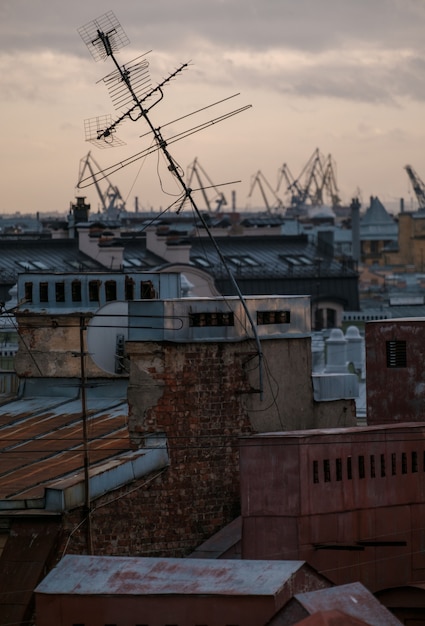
[[107, 333]]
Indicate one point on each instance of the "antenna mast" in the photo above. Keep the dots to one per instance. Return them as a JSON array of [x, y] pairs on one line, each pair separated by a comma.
[[103, 37]]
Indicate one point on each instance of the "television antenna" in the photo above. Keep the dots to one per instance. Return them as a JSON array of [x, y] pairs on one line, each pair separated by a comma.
[[130, 86]]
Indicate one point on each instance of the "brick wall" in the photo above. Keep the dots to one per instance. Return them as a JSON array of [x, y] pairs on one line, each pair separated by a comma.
[[203, 396]]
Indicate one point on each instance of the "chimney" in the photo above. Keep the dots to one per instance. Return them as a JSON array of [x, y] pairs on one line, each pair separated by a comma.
[[355, 229]]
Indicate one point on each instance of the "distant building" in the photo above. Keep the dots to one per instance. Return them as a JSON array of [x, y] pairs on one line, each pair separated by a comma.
[[378, 230]]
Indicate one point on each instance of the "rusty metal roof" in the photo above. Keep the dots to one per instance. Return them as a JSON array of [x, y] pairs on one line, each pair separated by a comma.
[[331, 618], [98, 575], [42, 442], [353, 599]]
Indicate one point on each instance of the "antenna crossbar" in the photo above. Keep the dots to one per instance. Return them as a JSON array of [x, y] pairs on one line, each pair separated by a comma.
[[107, 38]]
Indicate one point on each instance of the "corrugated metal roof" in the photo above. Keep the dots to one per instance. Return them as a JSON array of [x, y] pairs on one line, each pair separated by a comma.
[[41, 436], [159, 576]]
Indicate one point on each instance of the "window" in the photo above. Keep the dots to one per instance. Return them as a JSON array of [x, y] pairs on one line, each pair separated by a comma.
[[273, 317], [147, 291], [327, 470], [76, 291], [396, 353], [129, 288], [361, 467], [198, 260], [382, 465], [60, 292], [338, 468], [40, 265], [393, 464], [372, 466], [315, 471], [110, 290], [213, 318], [349, 468], [403, 463], [330, 318], [241, 260], [28, 292], [43, 291], [94, 291], [414, 462]]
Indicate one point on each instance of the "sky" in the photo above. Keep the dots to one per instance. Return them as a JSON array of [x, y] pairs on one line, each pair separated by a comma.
[[341, 77]]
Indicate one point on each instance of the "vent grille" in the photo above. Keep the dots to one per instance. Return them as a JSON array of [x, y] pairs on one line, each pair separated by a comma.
[[396, 353]]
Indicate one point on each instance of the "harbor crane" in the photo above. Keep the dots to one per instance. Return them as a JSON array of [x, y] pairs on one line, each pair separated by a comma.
[[262, 183], [196, 171], [316, 179], [418, 186], [112, 203]]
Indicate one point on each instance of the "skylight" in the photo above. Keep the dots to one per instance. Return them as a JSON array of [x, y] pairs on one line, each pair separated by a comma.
[[199, 260], [241, 260]]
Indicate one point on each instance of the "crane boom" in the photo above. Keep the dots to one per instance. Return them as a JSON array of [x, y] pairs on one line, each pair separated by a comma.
[[418, 186]]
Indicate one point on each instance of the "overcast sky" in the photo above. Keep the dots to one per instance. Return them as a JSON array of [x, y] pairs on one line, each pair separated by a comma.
[[342, 76]]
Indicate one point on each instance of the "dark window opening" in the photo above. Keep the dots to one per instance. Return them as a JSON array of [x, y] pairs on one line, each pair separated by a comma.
[[327, 470], [110, 290], [60, 292], [393, 464], [318, 319], [273, 317], [361, 467], [330, 318], [94, 290], [349, 468], [338, 467], [215, 318], [129, 288], [315, 471], [76, 291], [147, 290], [43, 290], [414, 462], [403, 463], [372, 466], [382, 465], [28, 292], [396, 353]]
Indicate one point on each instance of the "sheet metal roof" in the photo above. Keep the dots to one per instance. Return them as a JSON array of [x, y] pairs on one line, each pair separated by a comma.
[[41, 436], [61, 255], [159, 576], [272, 256], [353, 599]]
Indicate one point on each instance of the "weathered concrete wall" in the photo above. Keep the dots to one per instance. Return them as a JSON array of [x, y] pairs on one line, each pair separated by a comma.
[[50, 346]]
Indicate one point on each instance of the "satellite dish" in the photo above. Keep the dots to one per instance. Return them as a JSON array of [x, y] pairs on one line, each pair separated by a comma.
[[107, 333]]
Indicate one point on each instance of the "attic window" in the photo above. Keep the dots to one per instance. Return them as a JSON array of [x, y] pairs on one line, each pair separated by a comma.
[[133, 262], [241, 260], [396, 353], [273, 317], [198, 260], [295, 259]]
